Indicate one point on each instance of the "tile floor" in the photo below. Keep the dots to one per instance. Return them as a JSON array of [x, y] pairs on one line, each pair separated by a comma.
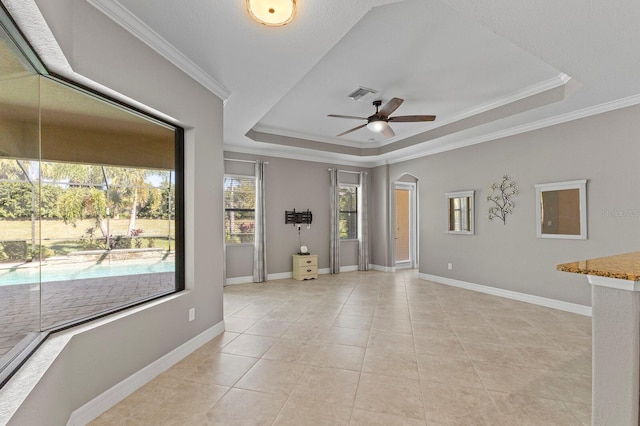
[[372, 348]]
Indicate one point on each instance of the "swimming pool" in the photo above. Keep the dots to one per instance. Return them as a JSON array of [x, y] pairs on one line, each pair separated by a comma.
[[78, 271]]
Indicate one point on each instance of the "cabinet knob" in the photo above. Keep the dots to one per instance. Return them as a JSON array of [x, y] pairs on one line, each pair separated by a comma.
[[308, 261], [308, 270]]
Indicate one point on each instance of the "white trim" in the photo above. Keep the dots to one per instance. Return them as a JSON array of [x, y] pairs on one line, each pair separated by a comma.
[[127, 20], [560, 80], [405, 264], [514, 295], [616, 283], [279, 276], [581, 186], [382, 268], [117, 393], [238, 280], [552, 83], [349, 268], [512, 131], [470, 208], [311, 155], [414, 219]]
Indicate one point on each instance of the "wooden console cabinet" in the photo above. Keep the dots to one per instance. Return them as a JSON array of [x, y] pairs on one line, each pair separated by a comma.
[[305, 267]]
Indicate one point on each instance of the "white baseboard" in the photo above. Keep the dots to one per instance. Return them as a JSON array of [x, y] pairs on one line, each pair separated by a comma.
[[508, 294], [382, 268], [349, 268], [287, 275], [238, 280], [280, 276], [404, 265], [109, 398]]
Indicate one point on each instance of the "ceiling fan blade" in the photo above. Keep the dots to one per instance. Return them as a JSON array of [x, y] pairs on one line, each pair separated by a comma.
[[391, 106], [352, 130], [346, 116], [410, 118], [388, 132]]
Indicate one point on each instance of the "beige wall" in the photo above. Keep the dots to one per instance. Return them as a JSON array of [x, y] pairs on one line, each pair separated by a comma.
[[599, 148], [290, 184]]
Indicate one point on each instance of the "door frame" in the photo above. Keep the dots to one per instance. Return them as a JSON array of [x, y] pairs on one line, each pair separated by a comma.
[[413, 224]]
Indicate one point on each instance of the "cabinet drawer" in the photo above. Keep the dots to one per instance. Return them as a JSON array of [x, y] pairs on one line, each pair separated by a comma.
[[302, 270], [301, 261]]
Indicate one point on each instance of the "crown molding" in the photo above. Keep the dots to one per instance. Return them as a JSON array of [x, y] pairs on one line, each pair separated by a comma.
[[298, 135], [300, 154], [418, 151], [527, 92], [123, 17], [516, 130]]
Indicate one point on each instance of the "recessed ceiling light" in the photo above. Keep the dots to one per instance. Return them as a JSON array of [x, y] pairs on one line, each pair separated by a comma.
[[273, 13]]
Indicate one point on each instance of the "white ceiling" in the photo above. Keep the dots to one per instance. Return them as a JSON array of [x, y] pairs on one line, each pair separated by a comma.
[[485, 68]]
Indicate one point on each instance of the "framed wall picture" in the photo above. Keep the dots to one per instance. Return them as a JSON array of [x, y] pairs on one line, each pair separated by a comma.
[[561, 210], [460, 212]]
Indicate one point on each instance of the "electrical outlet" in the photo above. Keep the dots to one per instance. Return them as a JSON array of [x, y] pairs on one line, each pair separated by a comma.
[[192, 314], [450, 266]]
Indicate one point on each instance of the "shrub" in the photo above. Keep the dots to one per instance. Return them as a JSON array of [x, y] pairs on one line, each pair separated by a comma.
[[120, 242], [15, 250], [41, 252]]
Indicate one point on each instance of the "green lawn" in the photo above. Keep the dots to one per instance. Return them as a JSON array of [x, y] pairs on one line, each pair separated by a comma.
[[64, 238]]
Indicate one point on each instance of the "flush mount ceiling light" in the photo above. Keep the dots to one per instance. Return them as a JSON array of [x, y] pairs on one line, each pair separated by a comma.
[[273, 13]]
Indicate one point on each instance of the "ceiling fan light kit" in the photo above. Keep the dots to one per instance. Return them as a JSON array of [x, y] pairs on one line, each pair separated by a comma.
[[377, 126], [272, 13], [379, 122]]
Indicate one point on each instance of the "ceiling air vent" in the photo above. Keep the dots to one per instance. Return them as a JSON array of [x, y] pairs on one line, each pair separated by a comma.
[[360, 93]]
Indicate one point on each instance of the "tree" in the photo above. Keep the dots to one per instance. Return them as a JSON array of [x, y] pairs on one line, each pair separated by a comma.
[[128, 187], [85, 196], [79, 203], [15, 200]]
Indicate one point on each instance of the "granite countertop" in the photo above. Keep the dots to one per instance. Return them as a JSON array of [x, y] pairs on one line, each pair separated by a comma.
[[622, 266]]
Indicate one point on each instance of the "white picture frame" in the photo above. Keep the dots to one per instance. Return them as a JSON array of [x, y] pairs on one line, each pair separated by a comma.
[[460, 212], [561, 210]]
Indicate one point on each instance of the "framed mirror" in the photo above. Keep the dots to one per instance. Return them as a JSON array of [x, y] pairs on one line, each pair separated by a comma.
[[460, 212], [561, 210]]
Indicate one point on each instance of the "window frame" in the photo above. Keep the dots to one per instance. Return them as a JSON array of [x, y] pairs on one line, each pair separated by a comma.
[[18, 355], [226, 209], [357, 205]]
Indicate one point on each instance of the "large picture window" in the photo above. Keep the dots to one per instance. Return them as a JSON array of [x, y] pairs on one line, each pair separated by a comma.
[[348, 212], [91, 204], [239, 209]]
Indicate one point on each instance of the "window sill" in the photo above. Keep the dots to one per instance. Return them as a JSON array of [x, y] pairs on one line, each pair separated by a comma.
[[238, 244]]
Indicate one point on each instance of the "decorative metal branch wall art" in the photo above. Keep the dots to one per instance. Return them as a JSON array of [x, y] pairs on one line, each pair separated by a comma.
[[501, 197]]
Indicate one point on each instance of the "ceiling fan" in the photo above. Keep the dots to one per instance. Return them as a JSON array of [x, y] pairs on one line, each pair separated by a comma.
[[379, 122]]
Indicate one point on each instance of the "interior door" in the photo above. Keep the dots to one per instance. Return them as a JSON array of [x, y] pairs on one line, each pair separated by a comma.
[[405, 225]]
